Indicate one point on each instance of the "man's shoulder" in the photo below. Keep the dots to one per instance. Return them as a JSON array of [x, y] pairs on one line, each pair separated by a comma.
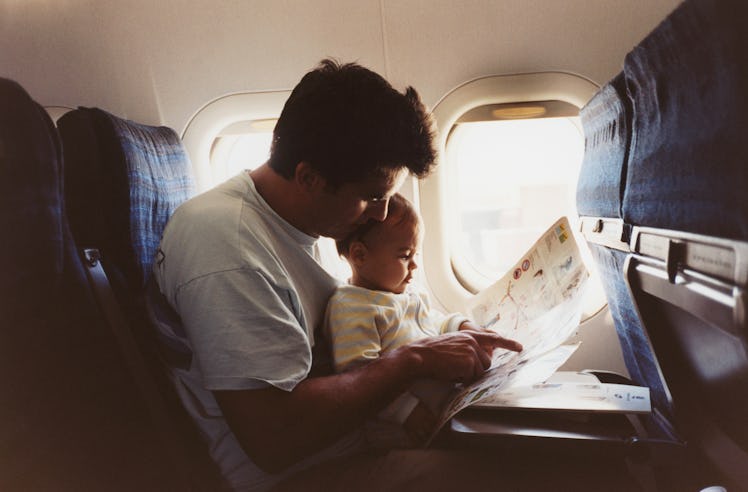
[[212, 204], [206, 236], [219, 214]]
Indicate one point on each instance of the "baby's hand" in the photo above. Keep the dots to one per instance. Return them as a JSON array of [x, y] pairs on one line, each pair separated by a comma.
[[420, 423]]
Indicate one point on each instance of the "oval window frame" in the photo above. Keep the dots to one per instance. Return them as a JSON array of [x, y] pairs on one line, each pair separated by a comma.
[[209, 121], [437, 216]]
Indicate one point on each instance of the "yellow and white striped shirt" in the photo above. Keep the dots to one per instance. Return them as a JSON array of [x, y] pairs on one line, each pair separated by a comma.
[[361, 324]]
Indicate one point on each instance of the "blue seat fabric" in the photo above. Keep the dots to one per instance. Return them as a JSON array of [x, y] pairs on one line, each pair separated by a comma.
[[32, 196], [127, 180], [688, 82], [72, 417], [635, 345], [606, 119], [684, 169], [123, 181]]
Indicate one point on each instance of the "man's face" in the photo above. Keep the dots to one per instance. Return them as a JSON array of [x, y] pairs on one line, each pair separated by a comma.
[[339, 211]]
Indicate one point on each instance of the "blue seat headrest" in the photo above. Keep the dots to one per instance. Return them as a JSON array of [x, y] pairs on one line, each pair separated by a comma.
[[687, 82], [124, 180], [31, 201]]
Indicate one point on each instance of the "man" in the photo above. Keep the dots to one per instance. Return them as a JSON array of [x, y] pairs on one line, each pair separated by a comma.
[[242, 266]]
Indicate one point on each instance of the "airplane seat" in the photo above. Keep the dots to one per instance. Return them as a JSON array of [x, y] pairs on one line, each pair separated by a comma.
[[72, 416], [606, 120], [685, 217], [123, 182], [685, 198], [32, 197]]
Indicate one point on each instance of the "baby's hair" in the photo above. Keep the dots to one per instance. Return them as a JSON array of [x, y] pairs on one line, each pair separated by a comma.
[[399, 210]]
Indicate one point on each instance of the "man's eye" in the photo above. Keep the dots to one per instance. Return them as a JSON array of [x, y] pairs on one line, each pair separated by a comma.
[[382, 197]]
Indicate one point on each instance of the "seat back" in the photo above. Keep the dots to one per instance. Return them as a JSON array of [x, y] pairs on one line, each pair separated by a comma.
[[606, 120], [684, 218], [691, 294], [687, 85], [123, 182], [685, 196], [32, 197], [72, 416]]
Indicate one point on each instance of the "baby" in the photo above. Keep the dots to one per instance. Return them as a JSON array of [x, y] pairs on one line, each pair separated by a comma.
[[379, 310]]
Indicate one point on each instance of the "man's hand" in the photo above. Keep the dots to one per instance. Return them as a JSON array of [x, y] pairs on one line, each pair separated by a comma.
[[278, 428], [461, 356], [470, 325]]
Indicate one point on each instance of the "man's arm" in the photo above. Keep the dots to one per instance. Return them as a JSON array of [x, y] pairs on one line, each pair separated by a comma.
[[277, 428]]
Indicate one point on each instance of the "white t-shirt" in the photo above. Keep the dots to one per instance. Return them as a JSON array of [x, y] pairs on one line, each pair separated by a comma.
[[251, 291]]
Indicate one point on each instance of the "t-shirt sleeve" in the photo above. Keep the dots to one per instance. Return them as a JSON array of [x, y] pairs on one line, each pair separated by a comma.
[[244, 330]]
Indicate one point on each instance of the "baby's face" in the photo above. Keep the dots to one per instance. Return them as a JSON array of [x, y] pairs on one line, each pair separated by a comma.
[[391, 257]]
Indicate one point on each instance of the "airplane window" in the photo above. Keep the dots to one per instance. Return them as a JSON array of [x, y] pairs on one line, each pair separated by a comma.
[[242, 145], [231, 133], [510, 150], [515, 174]]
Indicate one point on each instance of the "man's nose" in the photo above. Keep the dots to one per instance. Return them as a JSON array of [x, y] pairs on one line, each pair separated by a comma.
[[377, 210]]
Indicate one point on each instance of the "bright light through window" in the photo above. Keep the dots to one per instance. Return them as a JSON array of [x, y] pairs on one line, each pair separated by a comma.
[[234, 151], [513, 179]]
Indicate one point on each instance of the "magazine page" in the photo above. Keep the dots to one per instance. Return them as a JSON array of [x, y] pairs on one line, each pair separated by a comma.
[[572, 392], [539, 304], [549, 274]]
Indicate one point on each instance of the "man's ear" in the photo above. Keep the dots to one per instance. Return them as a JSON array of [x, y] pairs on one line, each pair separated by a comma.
[[308, 178], [357, 252]]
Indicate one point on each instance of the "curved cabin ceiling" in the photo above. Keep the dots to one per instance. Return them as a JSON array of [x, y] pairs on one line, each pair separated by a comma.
[[159, 62]]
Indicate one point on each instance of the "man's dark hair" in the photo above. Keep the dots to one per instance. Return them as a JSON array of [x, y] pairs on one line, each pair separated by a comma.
[[400, 210], [349, 124]]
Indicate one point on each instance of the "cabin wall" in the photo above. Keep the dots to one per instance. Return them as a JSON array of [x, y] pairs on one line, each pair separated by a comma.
[[159, 62]]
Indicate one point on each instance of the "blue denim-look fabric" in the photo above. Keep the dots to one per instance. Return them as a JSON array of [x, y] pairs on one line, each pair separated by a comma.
[[606, 120], [125, 179], [688, 82], [687, 167], [73, 418], [637, 351], [159, 179], [31, 203]]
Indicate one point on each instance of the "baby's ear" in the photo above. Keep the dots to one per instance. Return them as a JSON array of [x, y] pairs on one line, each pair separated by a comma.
[[357, 253]]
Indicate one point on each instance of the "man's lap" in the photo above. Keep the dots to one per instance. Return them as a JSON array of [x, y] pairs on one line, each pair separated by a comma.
[[453, 469]]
